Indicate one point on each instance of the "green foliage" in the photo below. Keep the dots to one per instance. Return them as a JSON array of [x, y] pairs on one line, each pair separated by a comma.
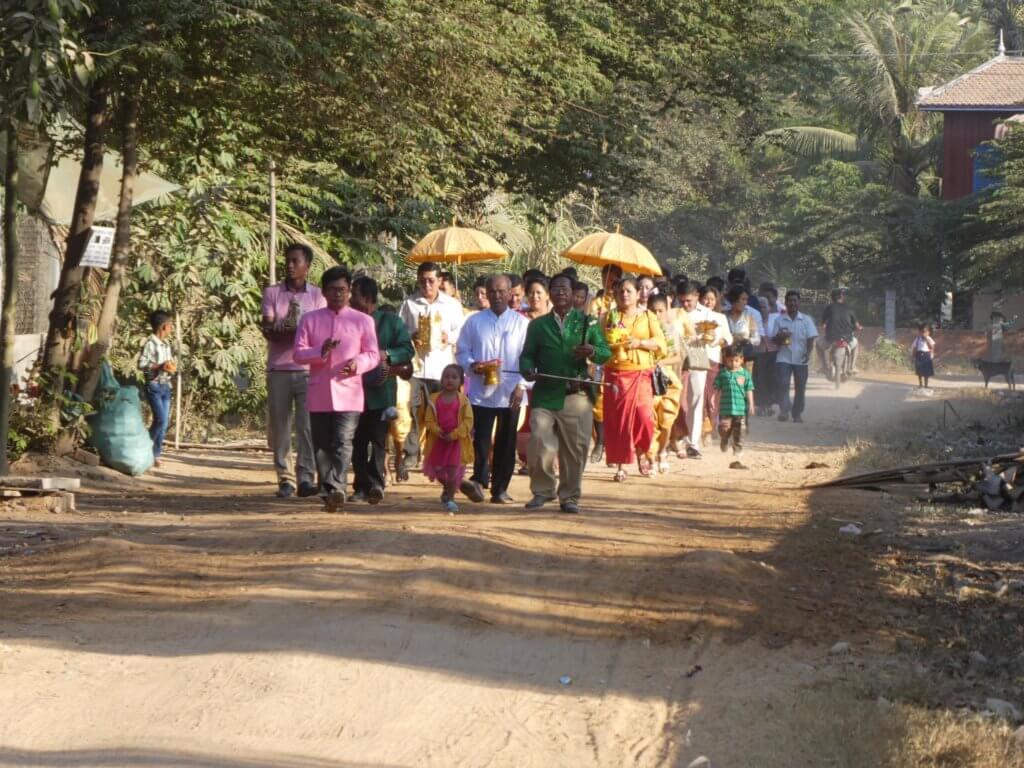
[[38, 57], [30, 427], [834, 228], [885, 355]]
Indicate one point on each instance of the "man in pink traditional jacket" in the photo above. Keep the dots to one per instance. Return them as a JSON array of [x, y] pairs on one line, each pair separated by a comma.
[[339, 344]]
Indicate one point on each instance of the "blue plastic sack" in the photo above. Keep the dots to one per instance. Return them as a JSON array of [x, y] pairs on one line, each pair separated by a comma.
[[118, 432]]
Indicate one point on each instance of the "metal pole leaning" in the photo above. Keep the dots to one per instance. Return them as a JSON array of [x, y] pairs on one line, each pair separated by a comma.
[[567, 379]]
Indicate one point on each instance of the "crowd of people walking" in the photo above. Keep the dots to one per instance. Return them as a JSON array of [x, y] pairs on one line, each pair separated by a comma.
[[534, 369]]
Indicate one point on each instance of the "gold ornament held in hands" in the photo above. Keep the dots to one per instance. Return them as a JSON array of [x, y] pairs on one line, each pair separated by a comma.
[[492, 373]]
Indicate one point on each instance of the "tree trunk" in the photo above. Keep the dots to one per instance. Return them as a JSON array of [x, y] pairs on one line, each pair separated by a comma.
[[10, 296], [90, 373], [60, 335]]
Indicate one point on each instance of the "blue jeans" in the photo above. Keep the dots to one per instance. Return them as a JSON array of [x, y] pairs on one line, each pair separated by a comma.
[[158, 395], [783, 372]]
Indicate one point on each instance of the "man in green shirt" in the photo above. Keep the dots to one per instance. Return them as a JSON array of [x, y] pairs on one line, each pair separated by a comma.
[[559, 344], [369, 451]]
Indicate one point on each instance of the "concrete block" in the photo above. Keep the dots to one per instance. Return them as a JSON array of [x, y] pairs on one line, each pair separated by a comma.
[[43, 483]]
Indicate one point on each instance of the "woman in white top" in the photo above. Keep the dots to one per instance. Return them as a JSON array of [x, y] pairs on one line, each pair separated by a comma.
[[742, 325]]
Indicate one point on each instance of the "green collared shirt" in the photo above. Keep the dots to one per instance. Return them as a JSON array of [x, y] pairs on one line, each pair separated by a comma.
[[394, 341], [548, 349], [734, 386]]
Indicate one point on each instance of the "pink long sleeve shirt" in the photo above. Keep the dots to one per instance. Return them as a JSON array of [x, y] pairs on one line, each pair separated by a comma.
[[329, 389]]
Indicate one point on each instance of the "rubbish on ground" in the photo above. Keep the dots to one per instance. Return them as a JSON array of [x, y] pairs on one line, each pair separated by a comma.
[[850, 530], [565, 680], [692, 671], [839, 649], [816, 465], [990, 482]]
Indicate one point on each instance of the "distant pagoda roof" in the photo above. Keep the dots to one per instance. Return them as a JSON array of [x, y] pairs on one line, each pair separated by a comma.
[[995, 86]]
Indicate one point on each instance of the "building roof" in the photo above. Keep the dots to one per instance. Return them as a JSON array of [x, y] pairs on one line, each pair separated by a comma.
[[995, 86]]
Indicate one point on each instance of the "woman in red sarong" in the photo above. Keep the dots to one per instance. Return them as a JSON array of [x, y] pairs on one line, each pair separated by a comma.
[[637, 343]]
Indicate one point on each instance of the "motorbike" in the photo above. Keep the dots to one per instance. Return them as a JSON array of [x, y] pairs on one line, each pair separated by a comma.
[[839, 359]]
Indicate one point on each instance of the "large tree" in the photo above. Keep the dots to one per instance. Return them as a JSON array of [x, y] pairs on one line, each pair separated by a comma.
[[37, 57]]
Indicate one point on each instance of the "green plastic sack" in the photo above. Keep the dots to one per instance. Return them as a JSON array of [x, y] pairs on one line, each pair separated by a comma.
[[118, 433]]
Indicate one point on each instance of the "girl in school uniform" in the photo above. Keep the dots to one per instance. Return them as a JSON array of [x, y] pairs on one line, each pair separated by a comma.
[[923, 350]]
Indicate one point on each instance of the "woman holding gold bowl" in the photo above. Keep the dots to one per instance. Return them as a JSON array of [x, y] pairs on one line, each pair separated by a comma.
[[637, 343]]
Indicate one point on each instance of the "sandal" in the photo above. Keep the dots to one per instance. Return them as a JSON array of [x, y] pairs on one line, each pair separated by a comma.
[[643, 466], [620, 476]]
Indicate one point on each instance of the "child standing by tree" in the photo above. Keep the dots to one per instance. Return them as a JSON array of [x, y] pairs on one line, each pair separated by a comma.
[[448, 422], [156, 361], [923, 349], [736, 386]]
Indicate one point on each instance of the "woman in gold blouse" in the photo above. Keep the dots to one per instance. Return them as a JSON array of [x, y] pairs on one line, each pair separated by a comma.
[[637, 343]]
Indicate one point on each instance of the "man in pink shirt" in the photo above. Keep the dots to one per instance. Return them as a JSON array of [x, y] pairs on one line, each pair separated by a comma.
[[283, 305], [339, 344]]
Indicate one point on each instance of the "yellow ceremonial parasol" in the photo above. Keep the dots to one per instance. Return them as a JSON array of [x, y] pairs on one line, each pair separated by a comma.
[[602, 248], [458, 245]]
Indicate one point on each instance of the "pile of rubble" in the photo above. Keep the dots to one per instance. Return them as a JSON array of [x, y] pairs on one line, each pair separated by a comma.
[[996, 482]]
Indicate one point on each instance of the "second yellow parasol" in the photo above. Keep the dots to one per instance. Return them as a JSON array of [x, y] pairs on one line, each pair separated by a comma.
[[602, 248], [457, 245]]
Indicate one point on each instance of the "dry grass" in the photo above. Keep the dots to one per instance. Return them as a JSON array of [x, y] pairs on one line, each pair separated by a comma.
[[845, 731], [942, 739]]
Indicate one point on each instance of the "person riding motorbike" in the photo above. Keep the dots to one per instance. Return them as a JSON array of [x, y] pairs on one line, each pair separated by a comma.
[[839, 322]]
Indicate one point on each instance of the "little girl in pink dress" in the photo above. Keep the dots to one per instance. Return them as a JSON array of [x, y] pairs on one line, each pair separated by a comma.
[[449, 428]]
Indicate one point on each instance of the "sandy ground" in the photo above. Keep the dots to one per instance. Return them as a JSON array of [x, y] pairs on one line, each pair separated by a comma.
[[189, 618]]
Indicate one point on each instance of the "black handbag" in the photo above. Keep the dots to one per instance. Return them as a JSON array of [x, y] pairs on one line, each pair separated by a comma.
[[659, 381]]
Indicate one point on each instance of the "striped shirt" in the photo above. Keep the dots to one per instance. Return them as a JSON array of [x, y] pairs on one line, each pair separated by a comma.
[[155, 351], [734, 386]]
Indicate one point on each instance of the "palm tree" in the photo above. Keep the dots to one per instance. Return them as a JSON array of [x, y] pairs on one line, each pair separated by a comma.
[[896, 52]]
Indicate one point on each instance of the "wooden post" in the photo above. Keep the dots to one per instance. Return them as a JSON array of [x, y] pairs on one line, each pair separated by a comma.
[[177, 383], [272, 250]]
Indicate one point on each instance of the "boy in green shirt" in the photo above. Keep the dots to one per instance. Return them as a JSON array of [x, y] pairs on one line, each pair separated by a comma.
[[737, 392]]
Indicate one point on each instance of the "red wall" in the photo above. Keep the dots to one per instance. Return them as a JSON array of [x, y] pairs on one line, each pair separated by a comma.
[[962, 132], [958, 345]]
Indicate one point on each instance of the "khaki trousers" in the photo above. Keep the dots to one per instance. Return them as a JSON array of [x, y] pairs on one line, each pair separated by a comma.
[[564, 434], [286, 410]]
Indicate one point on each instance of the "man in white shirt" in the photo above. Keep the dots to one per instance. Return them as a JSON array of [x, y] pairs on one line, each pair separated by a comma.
[[794, 333], [434, 319], [495, 333], [698, 378]]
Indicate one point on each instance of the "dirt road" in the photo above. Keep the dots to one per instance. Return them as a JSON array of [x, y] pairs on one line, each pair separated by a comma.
[[189, 618]]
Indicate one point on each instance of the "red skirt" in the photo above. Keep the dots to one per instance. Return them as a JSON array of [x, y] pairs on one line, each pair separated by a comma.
[[712, 396], [628, 415]]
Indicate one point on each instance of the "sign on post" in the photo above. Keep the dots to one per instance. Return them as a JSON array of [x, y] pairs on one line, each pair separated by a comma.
[[97, 252]]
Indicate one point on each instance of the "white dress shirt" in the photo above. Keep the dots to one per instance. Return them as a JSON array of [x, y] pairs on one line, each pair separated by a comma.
[[722, 333], [432, 363], [802, 329], [487, 336], [752, 309]]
